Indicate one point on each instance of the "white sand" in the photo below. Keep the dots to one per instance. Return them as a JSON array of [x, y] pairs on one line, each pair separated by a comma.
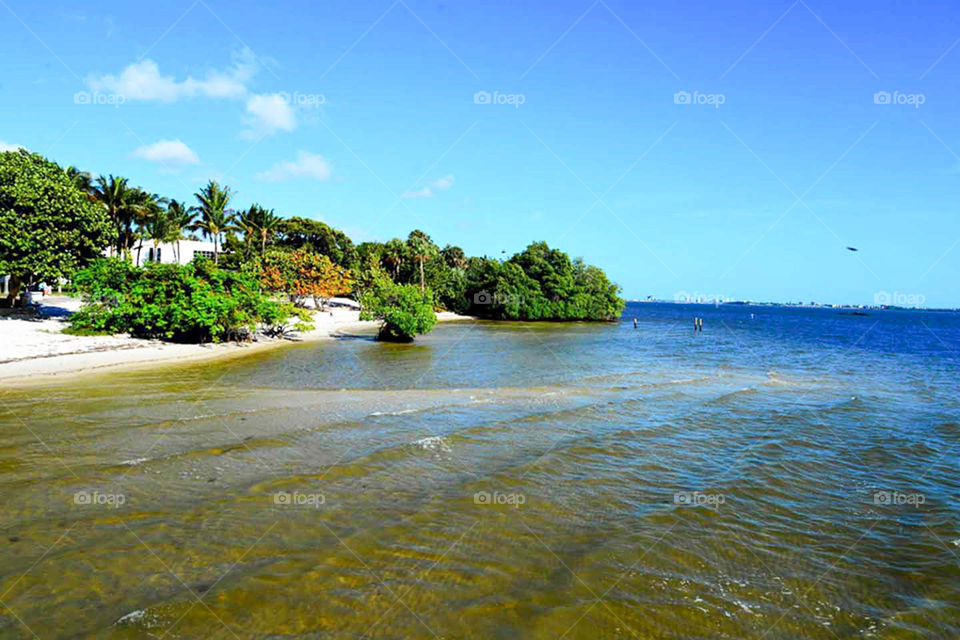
[[32, 348]]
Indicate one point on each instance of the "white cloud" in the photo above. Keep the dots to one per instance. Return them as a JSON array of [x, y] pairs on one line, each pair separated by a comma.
[[143, 81], [168, 152], [427, 192], [444, 183], [269, 113], [307, 165], [6, 146]]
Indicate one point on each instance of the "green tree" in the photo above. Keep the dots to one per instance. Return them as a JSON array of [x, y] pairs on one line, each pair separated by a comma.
[[454, 257], [421, 250], [48, 227], [259, 225], [182, 219], [368, 254], [541, 283], [319, 237], [82, 179], [111, 193], [394, 255], [142, 209], [402, 309], [215, 217], [159, 227]]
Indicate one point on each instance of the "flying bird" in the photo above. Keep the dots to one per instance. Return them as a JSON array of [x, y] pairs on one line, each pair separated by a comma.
[[852, 249]]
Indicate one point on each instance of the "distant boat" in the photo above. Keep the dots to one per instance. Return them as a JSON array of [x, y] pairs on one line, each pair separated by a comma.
[[852, 249]]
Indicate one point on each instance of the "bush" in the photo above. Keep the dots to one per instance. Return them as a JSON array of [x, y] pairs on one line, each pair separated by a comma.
[[403, 310], [193, 303]]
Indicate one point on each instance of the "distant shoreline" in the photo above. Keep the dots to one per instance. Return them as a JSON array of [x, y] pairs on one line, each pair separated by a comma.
[[788, 305]]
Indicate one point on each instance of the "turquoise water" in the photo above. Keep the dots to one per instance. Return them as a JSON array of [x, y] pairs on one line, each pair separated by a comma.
[[787, 473]]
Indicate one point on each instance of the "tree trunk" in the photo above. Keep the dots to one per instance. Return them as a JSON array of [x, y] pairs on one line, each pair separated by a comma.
[[139, 249], [216, 249], [421, 276], [13, 290]]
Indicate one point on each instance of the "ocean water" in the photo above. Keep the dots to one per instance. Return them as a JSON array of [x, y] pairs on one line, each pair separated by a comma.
[[786, 473]]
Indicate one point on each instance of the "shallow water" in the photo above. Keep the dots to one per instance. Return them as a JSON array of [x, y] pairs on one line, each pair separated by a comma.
[[785, 474]]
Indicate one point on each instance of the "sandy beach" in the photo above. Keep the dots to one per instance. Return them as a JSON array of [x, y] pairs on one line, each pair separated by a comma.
[[32, 348]]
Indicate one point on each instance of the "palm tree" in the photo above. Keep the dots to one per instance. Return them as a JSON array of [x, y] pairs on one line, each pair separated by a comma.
[[139, 208], [112, 194], [268, 228], [181, 218], [83, 181], [159, 227], [125, 205], [215, 218], [422, 249], [260, 224], [454, 257], [394, 254]]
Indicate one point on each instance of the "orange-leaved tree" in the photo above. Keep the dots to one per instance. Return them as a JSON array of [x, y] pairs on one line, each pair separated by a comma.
[[300, 274]]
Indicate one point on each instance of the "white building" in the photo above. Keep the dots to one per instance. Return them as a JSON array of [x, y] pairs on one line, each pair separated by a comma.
[[166, 253], [170, 252]]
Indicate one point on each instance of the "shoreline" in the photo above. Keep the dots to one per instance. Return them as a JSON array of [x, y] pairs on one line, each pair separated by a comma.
[[37, 352]]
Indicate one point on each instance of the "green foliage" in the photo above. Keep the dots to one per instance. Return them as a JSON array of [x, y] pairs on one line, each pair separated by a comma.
[[193, 303], [318, 237], [259, 226], [48, 227], [125, 205], [421, 249], [541, 284], [283, 255], [215, 218], [403, 310]]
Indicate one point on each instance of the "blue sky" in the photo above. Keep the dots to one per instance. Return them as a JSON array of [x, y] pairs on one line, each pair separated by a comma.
[[365, 115]]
